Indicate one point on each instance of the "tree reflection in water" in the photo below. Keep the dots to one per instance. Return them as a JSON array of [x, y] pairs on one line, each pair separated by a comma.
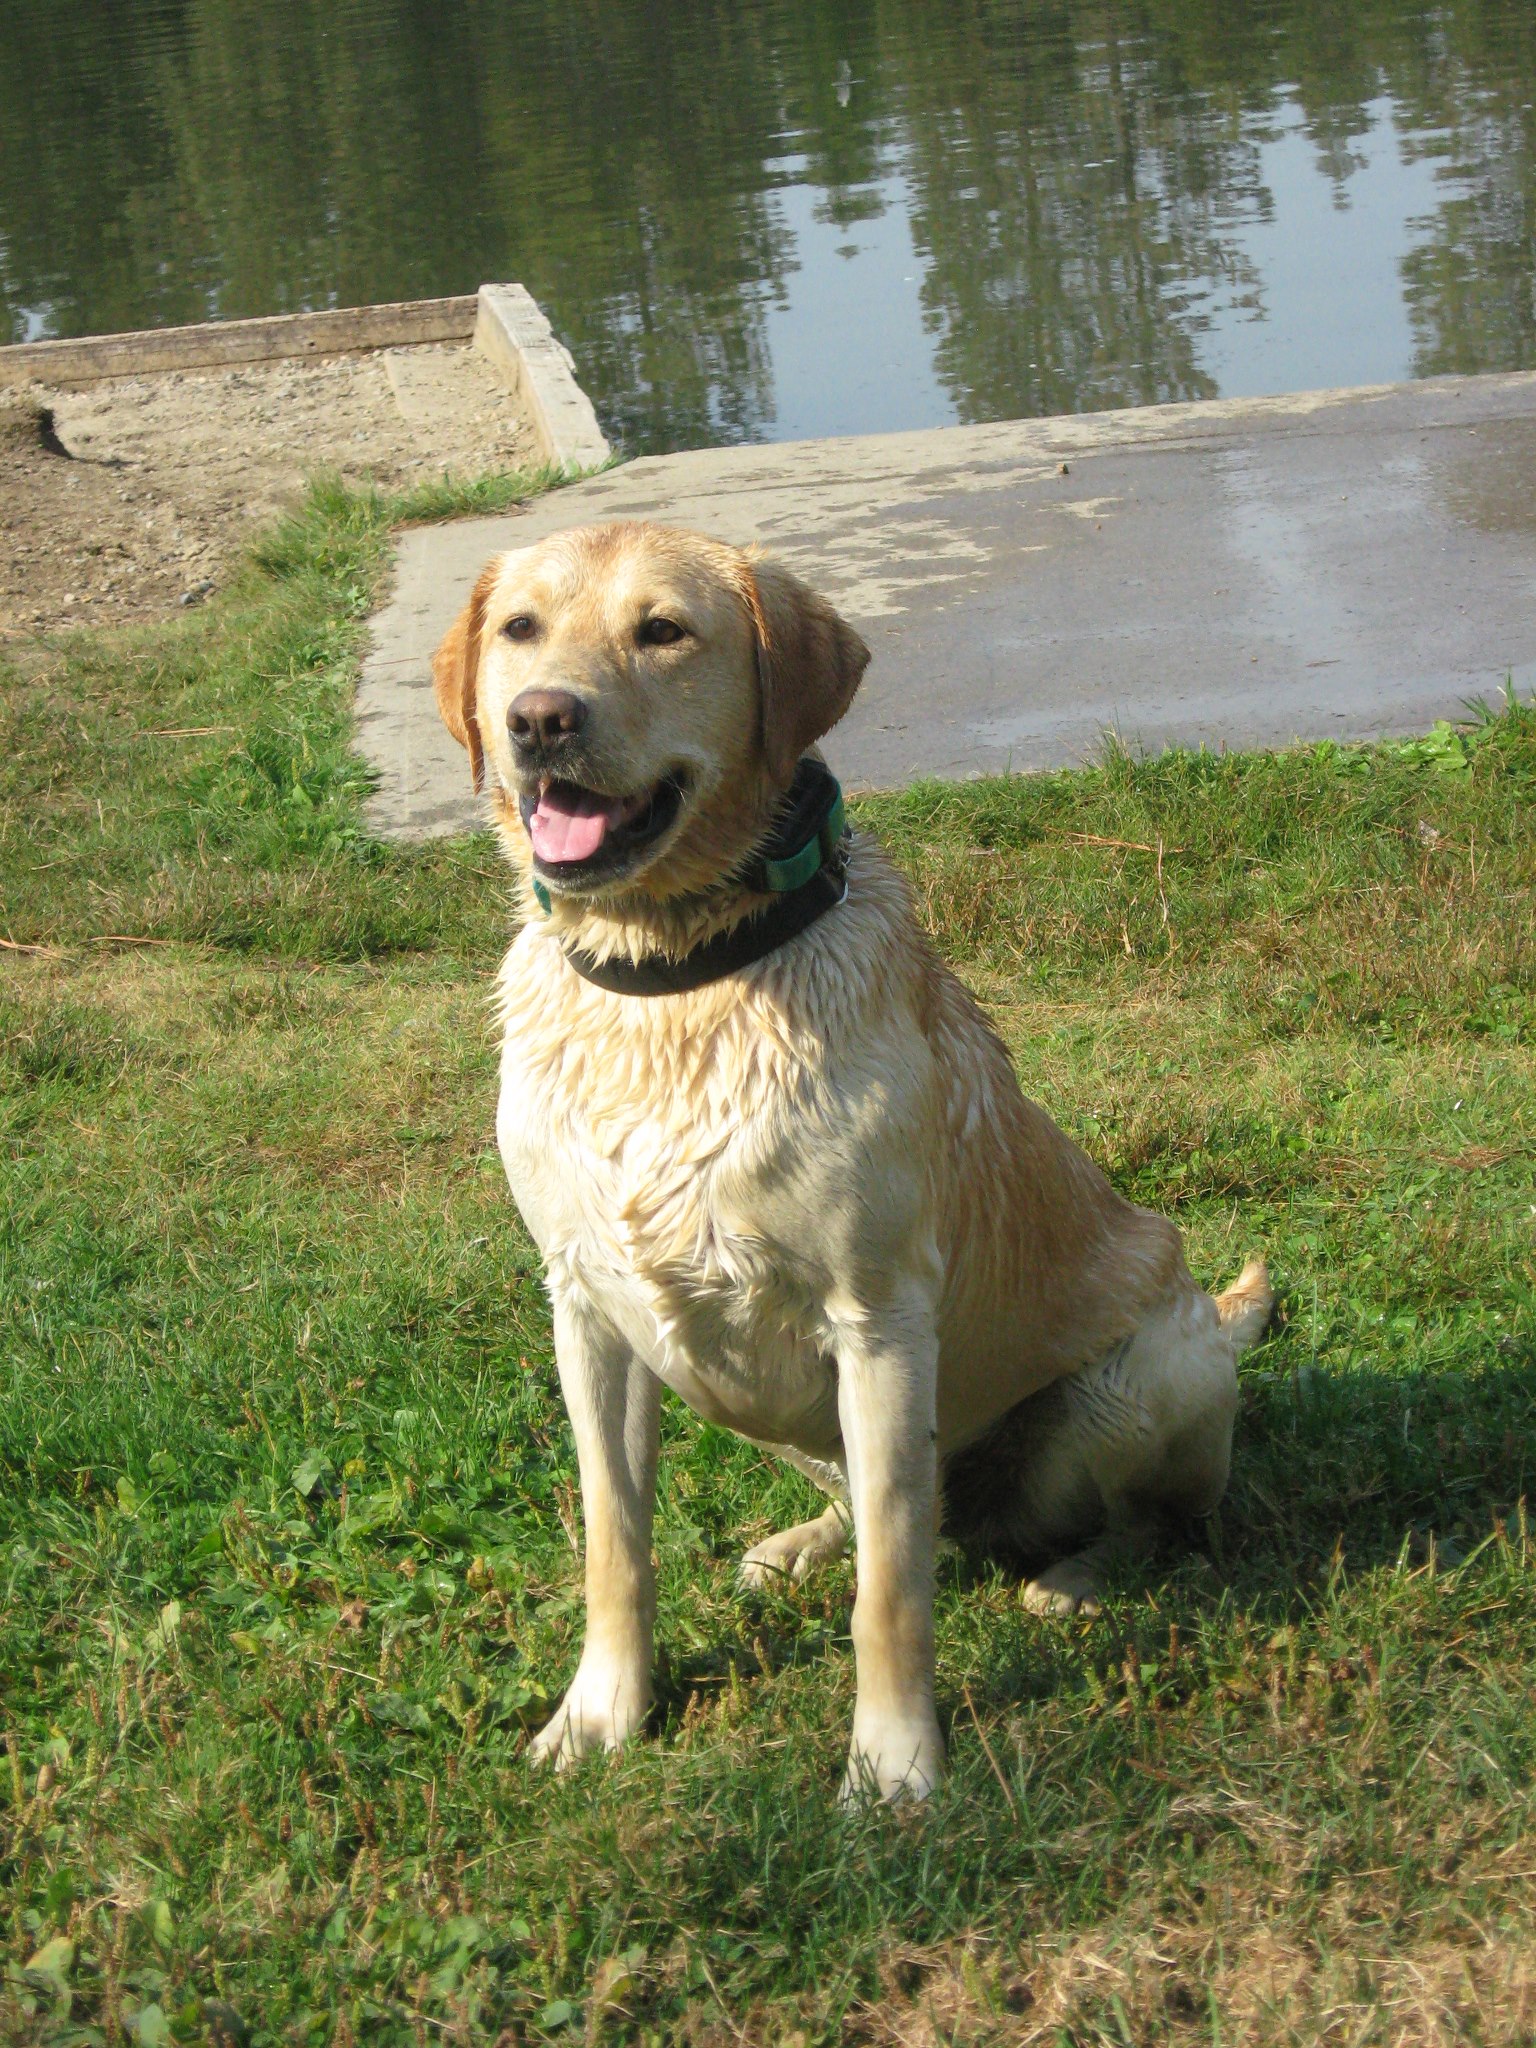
[[1077, 175]]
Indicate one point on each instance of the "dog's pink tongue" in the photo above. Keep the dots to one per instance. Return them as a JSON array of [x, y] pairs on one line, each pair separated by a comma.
[[570, 824]]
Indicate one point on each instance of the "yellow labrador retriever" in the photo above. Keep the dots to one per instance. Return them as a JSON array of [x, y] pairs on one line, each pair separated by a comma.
[[773, 1155]]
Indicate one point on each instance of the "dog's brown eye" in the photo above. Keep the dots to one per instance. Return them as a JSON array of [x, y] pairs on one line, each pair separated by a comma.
[[660, 632], [521, 627]]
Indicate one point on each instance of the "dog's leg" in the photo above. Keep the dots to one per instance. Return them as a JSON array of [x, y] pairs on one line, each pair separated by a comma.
[[1147, 1432], [887, 1387], [614, 1405], [793, 1554]]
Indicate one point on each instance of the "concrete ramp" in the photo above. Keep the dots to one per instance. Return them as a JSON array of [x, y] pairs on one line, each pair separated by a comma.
[[1237, 574]]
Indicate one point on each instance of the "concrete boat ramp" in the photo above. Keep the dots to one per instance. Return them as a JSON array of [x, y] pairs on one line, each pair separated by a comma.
[[1242, 573]]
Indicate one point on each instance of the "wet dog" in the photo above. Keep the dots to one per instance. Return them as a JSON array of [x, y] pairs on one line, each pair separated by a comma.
[[773, 1155]]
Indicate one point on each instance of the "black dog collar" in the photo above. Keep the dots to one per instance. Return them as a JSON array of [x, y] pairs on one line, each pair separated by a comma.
[[802, 865]]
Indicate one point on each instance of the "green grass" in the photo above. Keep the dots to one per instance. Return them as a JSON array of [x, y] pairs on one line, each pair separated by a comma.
[[288, 1499]]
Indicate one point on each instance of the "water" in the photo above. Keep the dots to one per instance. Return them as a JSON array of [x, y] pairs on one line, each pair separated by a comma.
[[757, 220]]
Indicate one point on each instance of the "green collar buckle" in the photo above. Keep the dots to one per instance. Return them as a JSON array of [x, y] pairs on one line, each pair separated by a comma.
[[803, 867]]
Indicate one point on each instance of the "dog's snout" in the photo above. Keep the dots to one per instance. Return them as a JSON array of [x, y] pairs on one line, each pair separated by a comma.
[[541, 718]]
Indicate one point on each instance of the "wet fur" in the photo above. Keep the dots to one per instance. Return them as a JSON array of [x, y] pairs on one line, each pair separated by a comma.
[[810, 1198]]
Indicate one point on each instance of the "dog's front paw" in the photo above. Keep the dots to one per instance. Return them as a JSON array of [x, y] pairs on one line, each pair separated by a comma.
[[895, 1760], [601, 1711]]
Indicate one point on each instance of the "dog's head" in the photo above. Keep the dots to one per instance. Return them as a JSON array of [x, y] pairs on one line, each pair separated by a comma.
[[637, 696]]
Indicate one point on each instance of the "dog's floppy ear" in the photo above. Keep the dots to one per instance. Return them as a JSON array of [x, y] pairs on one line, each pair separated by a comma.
[[809, 662], [456, 669]]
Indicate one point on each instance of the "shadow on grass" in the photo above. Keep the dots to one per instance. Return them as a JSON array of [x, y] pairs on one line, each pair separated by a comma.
[[1353, 1464], [768, 1643], [1337, 1475]]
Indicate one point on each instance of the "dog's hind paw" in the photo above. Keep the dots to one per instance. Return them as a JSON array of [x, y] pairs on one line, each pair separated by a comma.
[[1070, 1586], [795, 1553]]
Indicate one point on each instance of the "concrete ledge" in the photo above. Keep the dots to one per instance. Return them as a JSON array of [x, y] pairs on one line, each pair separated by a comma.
[[1240, 573], [504, 322], [338, 331], [512, 331]]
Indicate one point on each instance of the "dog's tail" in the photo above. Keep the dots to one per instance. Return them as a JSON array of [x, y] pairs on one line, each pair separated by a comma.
[[1246, 1306]]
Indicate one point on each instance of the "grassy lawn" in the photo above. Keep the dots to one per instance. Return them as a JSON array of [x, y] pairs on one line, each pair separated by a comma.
[[287, 1498]]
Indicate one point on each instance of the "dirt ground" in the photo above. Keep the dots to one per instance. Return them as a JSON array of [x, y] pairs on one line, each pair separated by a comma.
[[122, 499]]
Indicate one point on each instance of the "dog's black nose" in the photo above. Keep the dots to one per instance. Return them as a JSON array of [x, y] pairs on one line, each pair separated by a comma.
[[538, 718]]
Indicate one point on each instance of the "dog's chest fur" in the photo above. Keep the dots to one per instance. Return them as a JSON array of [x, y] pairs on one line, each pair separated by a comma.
[[644, 1148]]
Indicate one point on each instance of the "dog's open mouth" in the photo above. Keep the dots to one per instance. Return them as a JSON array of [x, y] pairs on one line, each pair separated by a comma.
[[579, 834]]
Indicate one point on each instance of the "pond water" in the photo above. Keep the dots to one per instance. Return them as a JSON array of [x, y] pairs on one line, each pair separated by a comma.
[[758, 220]]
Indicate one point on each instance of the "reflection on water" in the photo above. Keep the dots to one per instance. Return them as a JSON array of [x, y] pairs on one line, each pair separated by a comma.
[[755, 219]]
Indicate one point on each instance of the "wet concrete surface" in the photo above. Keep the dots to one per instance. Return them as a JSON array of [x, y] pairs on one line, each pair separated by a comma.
[[1244, 573]]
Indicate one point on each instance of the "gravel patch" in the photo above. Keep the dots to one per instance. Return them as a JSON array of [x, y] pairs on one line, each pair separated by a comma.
[[121, 500]]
